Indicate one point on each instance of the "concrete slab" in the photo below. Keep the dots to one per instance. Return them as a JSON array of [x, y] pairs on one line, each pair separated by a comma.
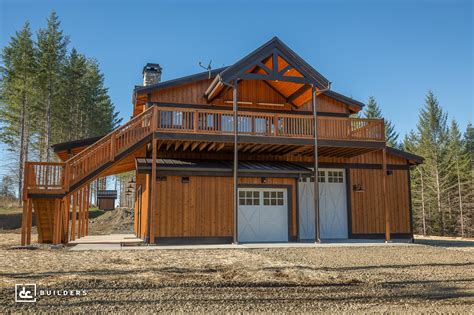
[[83, 247], [108, 239], [339, 243]]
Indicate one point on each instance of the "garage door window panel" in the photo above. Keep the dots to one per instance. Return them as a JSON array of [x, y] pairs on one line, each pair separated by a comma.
[[249, 198], [273, 198]]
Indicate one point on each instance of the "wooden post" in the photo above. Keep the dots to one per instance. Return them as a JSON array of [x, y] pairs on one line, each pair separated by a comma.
[[57, 221], [196, 121], [29, 221], [152, 225], [317, 225], [84, 205], [74, 216], [23, 222], [88, 203], [112, 147], [65, 234], [79, 217], [385, 197], [236, 161]]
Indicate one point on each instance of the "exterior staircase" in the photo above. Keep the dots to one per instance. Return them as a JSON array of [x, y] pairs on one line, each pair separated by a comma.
[[51, 188]]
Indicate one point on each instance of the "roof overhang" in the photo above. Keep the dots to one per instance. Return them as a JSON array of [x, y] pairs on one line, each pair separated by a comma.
[[410, 157], [277, 65]]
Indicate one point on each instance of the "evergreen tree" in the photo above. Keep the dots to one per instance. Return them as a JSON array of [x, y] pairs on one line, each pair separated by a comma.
[[17, 97], [372, 110], [73, 95], [433, 140], [459, 179], [468, 142], [48, 95], [100, 117], [52, 48]]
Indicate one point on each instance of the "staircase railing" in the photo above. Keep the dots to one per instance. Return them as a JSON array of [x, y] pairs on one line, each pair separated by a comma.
[[61, 175]]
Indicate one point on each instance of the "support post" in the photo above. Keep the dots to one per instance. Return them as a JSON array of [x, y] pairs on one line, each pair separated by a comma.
[[384, 199], [29, 221], [153, 192], [236, 161], [57, 221], [79, 215], [84, 205], [74, 216], [317, 225], [86, 214], [23, 222], [67, 203]]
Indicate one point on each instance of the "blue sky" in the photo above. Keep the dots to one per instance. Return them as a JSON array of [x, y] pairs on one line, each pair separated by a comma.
[[393, 50]]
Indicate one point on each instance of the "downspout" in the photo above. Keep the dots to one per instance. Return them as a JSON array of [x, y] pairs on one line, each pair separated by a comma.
[[316, 183]]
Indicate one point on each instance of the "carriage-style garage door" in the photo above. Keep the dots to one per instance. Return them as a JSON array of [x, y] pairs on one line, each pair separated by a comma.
[[263, 215], [332, 205]]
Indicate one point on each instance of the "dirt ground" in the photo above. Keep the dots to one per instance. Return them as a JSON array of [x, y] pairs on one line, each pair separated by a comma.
[[417, 278]]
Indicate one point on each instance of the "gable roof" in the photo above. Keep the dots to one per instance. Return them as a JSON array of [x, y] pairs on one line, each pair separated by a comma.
[[275, 44], [229, 72]]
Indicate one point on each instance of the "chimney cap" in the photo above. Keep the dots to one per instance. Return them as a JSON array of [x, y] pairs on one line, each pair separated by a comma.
[[152, 67]]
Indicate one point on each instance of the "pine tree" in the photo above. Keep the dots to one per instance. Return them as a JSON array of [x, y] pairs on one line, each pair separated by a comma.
[[100, 116], [372, 110], [73, 95], [468, 142], [52, 48], [18, 97], [459, 177], [433, 140]]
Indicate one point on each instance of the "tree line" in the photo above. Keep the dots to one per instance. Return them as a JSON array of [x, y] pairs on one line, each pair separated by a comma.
[[49, 94], [443, 185]]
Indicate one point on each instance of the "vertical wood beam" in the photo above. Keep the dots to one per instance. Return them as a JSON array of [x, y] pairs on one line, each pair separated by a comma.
[[67, 203], [29, 221], [151, 219], [57, 224], [79, 215], [385, 197], [23, 222], [84, 205], [88, 203], [236, 160], [317, 225], [74, 214]]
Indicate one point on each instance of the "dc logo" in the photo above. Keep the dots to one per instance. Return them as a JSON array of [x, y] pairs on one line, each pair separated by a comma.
[[25, 293]]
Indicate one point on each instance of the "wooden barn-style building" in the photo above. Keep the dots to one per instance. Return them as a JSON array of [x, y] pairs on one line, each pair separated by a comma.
[[260, 151]]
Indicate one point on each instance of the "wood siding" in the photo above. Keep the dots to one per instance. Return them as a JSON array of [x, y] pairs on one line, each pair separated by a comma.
[[204, 206], [253, 91], [142, 185], [367, 211]]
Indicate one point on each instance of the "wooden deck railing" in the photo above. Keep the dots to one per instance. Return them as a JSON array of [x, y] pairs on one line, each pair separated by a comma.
[[42, 176], [268, 124]]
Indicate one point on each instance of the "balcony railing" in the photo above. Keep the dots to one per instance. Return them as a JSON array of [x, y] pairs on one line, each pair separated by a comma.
[[60, 177], [202, 121]]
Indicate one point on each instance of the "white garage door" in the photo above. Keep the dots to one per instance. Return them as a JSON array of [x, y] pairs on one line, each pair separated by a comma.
[[263, 215], [332, 205]]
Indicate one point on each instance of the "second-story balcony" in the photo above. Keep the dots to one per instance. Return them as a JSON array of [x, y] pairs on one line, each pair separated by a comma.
[[251, 123]]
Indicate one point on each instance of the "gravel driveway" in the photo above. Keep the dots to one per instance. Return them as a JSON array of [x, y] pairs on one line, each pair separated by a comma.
[[397, 279]]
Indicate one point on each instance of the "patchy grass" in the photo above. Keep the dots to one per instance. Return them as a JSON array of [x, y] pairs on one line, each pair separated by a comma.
[[10, 210], [382, 279]]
